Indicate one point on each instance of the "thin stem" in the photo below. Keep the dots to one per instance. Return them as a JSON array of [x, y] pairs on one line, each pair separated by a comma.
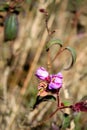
[[48, 30], [59, 108], [58, 53], [49, 66], [47, 26], [58, 99], [48, 52], [68, 39], [52, 114]]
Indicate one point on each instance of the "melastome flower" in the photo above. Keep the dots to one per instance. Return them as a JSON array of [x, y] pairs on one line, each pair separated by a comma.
[[56, 81], [53, 82], [41, 73]]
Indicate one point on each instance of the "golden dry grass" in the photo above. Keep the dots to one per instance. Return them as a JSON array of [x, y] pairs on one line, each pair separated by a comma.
[[18, 85]]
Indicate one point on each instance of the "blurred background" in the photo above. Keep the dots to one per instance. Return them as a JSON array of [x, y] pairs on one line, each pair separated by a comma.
[[23, 37]]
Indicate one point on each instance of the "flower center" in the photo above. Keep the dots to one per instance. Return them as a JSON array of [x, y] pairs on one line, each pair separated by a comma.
[[48, 79], [53, 79]]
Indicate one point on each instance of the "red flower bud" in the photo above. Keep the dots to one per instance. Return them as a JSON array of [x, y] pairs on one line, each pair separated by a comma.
[[80, 106]]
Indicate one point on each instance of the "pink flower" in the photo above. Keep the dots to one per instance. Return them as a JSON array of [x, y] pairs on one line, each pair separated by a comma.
[[41, 73], [56, 81]]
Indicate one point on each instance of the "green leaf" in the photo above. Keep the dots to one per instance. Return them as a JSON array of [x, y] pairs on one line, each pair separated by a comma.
[[66, 121], [28, 1], [40, 99], [49, 97], [11, 27], [77, 118], [52, 42], [4, 7], [66, 103], [19, 9], [73, 54]]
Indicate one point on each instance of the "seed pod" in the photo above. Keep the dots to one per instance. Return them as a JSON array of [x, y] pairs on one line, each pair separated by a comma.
[[11, 27]]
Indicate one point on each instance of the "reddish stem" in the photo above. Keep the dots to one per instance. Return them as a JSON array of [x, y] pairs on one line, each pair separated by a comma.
[[47, 26], [59, 108], [58, 99], [51, 115]]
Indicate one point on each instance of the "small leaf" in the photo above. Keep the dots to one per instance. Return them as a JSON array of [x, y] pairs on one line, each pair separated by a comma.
[[11, 27], [77, 117], [66, 121], [48, 97], [42, 99], [52, 42], [18, 9], [4, 7], [66, 103], [73, 54]]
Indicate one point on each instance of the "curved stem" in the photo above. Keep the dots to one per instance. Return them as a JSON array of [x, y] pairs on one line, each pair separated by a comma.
[[48, 61]]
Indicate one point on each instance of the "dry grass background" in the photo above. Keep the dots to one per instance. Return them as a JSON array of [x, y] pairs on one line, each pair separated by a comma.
[[18, 85]]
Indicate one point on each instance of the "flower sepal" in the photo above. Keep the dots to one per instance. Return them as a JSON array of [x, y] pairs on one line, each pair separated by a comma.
[[41, 99]]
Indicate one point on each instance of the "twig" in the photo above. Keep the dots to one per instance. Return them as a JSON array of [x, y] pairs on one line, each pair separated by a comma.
[[58, 53], [51, 115], [49, 65], [58, 99]]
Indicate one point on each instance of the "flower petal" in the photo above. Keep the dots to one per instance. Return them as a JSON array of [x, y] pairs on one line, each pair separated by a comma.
[[60, 75], [56, 81], [41, 73], [54, 86]]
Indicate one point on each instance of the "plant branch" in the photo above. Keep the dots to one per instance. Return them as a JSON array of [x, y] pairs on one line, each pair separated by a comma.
[[51, 115]]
